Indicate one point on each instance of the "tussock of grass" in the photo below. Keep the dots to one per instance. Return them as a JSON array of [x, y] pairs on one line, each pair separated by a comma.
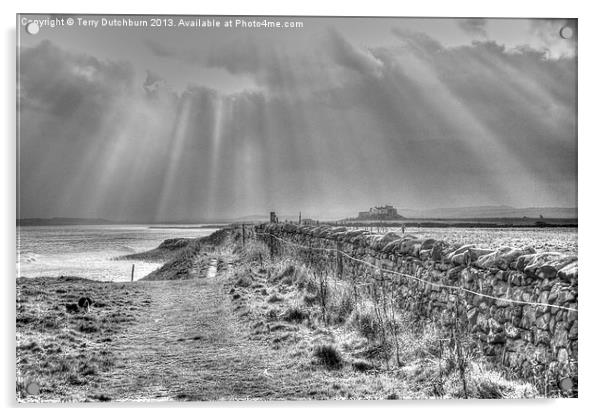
[[310, 299], [361, 365], [101, 397], [328, 355], [244, 281], [275, 297], [363, 319], [295, 314], [281, 327], [341, 304], [491, 384], [311, 285], [288, 274], [272, 314], [88, 327], [255, 252]]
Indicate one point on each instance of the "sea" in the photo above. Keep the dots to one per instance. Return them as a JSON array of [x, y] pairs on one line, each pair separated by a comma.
[[89, 251]]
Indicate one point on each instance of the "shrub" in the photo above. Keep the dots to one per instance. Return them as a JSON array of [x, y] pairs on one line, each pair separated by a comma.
[[328, 355]]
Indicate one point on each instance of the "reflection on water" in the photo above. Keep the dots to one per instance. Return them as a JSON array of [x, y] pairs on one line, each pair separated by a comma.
[[87, 250]]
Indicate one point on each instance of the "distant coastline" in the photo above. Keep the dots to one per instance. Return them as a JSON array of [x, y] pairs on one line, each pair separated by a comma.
[[24, 222], [62, 221], [464, 223], [187, 227], [408, 222]]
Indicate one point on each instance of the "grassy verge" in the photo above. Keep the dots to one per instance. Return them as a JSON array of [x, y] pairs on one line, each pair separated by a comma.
[[359, 339], [167, 250], [184, 262]]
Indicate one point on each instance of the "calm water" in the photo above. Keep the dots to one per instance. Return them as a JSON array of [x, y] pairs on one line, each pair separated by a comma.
[[88, 250]]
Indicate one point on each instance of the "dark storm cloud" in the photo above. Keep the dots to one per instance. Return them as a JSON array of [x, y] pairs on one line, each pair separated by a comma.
[[68, 85], [330, 129], [75, 113], [474, 26]]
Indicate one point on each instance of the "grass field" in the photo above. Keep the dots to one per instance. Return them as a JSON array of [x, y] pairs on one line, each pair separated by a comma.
[[256, 329]]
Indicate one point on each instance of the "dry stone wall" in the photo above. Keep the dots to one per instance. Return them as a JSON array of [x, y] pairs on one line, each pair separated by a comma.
[[497, 305]]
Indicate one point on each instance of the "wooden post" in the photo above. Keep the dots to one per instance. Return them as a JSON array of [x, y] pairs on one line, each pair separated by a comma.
[[133, 272], [244, 237], [339, 260], [460, 355]]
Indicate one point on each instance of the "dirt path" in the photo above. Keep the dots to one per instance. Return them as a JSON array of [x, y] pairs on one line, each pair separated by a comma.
[[189, 346]]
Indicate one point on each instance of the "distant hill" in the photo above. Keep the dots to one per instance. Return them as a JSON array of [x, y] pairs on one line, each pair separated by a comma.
[[61, 221], [497, 211]]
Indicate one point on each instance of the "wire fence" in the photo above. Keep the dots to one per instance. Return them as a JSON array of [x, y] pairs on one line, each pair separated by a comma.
[[463, 335], [440, 285]]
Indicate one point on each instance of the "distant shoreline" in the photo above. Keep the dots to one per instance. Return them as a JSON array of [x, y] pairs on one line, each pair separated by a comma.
[[187, 227], [465, 223], [497, 222], [50, 222]]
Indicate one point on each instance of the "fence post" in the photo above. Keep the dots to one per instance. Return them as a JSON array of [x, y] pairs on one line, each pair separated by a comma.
[[133, 272], [339, 260], [244, 237], [459, 352]]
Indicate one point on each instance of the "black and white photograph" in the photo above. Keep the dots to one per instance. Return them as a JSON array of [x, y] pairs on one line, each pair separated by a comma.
[[292, 207]]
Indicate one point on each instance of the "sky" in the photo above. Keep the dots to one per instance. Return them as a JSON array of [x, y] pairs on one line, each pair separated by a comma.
[[150, 124]]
